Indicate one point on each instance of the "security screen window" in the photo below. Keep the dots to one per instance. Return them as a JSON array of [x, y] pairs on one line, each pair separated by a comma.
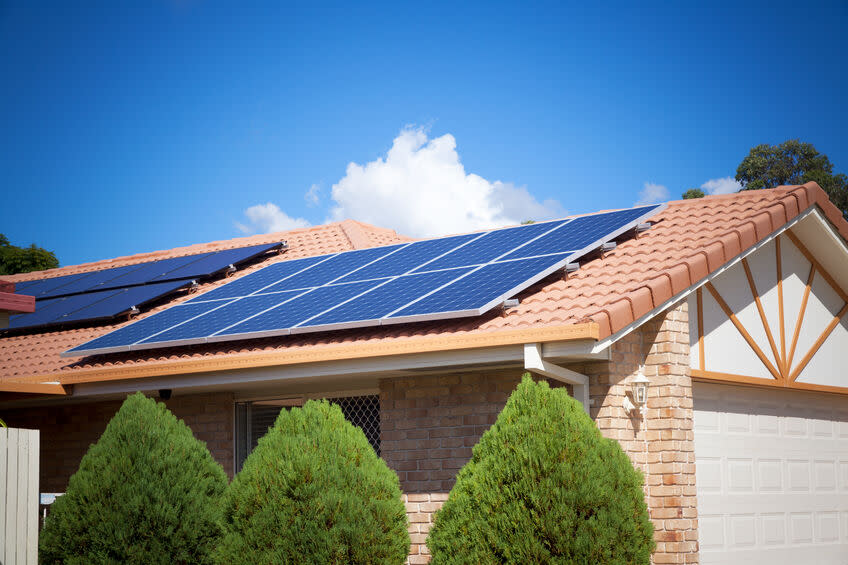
[[254, 418]]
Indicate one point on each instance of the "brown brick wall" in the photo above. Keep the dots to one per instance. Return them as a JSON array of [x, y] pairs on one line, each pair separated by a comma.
[[661, 445], [430, 423], [68, 430]]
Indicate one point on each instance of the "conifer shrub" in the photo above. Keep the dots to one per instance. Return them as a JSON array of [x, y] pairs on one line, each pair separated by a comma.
[[314, 491], [543, 486], [147, 492]]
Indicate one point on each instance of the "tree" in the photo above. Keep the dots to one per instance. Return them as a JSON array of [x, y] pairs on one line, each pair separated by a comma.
[[543, 486], [147, 492], [314, 491], [792, 162], [14, 259], [693, 193]]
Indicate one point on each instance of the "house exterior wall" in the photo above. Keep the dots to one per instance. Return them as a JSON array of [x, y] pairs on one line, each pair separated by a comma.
[[68, 430], [661, 444], [430, 423]]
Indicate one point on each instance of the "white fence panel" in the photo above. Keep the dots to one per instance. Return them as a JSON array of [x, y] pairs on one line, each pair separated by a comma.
[[18, 496]]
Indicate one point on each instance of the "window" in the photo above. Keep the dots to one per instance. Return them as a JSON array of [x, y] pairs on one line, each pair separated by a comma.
[[254, 418]]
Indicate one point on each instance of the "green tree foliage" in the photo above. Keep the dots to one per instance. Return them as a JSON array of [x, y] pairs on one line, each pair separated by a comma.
[[543, 486], [693, 193], [314, 491], [792, 162], [147, 492], [14, 259]]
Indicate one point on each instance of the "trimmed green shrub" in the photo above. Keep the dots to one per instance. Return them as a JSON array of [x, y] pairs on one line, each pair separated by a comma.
[[147, 492], [314, 491], [543, 486]]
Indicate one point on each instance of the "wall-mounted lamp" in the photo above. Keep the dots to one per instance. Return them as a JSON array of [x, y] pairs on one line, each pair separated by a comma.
[[639, 393]]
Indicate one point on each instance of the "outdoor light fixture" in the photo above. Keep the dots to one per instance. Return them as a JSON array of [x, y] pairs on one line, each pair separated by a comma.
[[639, 392]]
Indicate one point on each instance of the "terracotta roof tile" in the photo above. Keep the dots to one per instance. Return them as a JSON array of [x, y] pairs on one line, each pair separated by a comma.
[[688, 240]]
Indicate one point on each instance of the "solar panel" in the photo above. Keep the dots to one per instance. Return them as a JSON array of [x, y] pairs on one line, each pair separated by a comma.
[[176, 268], [333, 268], [492, 245], [385, 299], [481, 289], [441, 278], [261, 279], [92, 305]]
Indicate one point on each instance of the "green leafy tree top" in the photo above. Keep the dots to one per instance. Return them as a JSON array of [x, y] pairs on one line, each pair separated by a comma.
[[543, 486], [14, 259], [693, 193], [314, 491], [147, 492], [792, 162]]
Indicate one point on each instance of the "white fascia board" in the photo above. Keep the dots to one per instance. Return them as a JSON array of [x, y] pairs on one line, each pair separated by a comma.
[[609, 340]]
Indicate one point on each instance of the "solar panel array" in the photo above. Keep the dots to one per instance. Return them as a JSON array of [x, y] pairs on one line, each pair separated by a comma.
[[464, 275], [108, 293]]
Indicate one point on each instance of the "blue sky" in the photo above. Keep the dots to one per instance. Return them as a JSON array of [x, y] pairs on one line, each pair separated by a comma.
[[134, 126]]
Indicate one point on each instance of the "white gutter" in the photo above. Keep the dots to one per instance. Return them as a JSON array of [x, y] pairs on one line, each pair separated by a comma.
[[533, 361]]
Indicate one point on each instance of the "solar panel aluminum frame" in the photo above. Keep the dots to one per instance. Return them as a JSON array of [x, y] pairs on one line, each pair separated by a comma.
[[387, 319]]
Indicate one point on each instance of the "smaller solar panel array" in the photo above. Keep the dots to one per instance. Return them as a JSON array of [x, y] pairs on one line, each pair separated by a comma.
[[464, 275], [105, 294]]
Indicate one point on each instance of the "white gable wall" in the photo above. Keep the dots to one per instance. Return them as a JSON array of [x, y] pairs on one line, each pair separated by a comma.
[[726, 350]]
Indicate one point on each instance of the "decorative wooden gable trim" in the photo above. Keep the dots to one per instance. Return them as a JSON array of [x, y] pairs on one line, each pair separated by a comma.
[[778, 339]]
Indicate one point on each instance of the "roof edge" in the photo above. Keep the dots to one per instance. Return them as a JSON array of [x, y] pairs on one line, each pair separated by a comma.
[[658, 290], [311, 354]]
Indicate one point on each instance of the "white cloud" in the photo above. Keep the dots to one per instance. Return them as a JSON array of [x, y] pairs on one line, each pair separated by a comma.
[[724, 185], [268, 217], [420, 188], [652, 193], [313, 195]]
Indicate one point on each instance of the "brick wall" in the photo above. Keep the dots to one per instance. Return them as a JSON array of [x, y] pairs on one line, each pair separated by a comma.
[[430, 423], [661, 445], [68, 430]]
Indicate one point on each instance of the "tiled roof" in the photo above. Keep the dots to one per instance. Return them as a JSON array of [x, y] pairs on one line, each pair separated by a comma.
[[689, 240]]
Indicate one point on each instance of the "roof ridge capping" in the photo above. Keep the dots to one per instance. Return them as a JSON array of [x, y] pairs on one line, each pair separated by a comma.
[[677, 278]]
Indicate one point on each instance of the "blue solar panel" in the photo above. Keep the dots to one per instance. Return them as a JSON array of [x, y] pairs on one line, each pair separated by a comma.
[[212, 263], [408, 258], [161, 321], [481, 286], [435, 279], [301, 308], [490, 246], [47, 288], [387, 298], [49, 310], [259, 280], [92, 305], [156, 269], [578, 233], [333, 268], [95, 281], [220, 318], [122, 301], [190, 266]]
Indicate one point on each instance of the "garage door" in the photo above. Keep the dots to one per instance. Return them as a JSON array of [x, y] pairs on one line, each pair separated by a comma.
[[772, 475]]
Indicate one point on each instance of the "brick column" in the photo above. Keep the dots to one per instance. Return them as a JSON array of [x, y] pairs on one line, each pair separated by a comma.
[[661, 444]]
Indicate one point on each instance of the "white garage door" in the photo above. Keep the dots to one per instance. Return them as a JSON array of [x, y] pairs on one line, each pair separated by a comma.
[[772, 475]]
